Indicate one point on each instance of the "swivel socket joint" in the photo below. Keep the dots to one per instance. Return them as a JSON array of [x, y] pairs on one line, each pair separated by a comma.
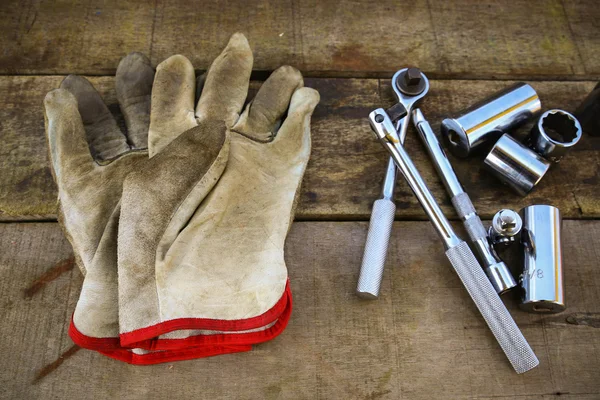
[[506, 226], [554, 134]]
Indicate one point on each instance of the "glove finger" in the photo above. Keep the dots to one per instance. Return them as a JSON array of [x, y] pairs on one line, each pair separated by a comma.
[[172, 110], [134, 89], [103, 134], [293, 138], [227, 81], [261, 117], [69, 151]]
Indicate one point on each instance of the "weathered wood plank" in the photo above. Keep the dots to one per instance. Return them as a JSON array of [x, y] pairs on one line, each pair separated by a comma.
[[584, 24], [462, 39], [347, 165], [423, 339]]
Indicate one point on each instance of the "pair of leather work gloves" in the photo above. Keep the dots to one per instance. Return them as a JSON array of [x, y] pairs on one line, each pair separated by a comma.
[[179, 224]]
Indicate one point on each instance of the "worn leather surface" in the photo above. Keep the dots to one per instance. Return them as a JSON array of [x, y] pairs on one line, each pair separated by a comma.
[[221, 258], [197, 223], [90, 158]]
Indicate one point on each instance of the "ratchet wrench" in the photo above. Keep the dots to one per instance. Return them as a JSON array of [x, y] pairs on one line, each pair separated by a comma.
[[462, 259], [410, 85]]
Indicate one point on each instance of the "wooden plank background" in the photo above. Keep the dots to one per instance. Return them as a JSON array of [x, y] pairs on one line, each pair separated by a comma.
[[344, 174], [423, 339], [459, 39]]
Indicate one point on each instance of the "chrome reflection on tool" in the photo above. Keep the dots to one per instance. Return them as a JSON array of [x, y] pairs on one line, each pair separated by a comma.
[[468, 269], [516, 165], [542, 278], [487, 120], [555, 133], [495, 269], [410, 86]]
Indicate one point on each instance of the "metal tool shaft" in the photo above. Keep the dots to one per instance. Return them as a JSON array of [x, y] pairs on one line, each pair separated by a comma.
[[384, 127], [494, 267], [410, 86], [378, 238], [542, 279], [380, 230], [486, 120], [463, 261]]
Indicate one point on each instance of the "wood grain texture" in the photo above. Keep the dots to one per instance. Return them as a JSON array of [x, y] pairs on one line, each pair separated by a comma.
[[347, 165], [459, 39], [584, 24], [422, 339]]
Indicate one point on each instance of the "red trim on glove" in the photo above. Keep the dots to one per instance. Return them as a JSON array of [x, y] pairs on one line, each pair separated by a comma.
[[198, 346], [111, 347], [150, 333], [221, 339], [92, 343], [174, 355]]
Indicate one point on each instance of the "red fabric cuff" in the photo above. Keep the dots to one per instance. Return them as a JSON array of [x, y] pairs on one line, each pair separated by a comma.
[[173, 355], [199, 346], [222, 339], [148, 335]]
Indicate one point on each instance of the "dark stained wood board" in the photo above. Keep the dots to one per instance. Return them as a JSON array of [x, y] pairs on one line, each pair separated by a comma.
[[422, 339], [541, 39], [347, 165]]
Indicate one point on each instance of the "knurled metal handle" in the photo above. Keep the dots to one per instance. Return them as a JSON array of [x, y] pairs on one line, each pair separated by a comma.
[[373, 262], [492, 309]]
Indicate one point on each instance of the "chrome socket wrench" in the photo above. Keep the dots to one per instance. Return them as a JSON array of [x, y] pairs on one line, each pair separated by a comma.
[[495, 269], [491, 307], [410, 86], [487, 120]]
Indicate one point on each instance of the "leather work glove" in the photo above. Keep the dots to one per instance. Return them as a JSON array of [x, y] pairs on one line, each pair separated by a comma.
[[90, 158], [199, 271]]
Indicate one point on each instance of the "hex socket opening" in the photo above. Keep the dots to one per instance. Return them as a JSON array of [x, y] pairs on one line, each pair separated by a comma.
[[453, 137], [560, 127]]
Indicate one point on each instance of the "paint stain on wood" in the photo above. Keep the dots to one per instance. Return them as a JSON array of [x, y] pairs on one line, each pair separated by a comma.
[[48, 276], [589, 319], [48, 369], [350, 57], [36, 178]]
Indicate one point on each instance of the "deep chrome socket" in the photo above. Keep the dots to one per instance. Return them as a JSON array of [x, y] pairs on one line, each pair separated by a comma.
[[487, 120], [542, 278]]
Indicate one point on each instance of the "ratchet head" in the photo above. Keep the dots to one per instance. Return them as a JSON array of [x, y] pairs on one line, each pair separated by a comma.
[[410, 86]]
